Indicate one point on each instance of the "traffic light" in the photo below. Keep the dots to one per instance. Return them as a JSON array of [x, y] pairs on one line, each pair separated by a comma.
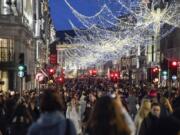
[[155, 69], [114, 76], [21, 58], [51, 71], [164, 75], [154, 74], [93, 72], [174, 64], [22, 70], [59, 80], [173, 69], [90, 72]]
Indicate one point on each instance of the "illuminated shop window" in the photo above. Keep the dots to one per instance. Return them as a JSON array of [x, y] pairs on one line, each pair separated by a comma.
[[6, 50], [5, 80]]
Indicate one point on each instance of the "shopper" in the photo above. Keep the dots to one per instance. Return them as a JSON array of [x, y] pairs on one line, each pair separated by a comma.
[[52, 121]]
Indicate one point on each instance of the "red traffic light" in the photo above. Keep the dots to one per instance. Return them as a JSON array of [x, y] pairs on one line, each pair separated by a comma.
[[60, 79], [51, 71], [174, 63], [93, 72], [114, 75], [155, 69], [90, 72]]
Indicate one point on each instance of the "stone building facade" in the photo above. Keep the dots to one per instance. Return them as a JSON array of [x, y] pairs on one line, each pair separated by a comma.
[[25, 28]]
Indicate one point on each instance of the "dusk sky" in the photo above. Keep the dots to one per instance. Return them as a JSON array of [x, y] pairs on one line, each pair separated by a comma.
[[61, 13]]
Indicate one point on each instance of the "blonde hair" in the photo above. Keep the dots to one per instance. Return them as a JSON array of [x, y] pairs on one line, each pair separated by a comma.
[[145, 108]]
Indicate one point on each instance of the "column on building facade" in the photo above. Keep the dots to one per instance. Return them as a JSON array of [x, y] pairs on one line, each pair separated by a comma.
[[4, 7]]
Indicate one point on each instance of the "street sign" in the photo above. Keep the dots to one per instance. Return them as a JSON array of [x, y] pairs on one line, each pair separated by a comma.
[[39, 77]]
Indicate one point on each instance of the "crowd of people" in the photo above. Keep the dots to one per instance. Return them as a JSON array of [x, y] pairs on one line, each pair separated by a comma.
[[91, 106]]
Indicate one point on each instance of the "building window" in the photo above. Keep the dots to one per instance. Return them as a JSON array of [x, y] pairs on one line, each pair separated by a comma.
[[6, 50]]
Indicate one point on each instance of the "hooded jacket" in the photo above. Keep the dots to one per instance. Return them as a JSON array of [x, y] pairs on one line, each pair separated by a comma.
[[52, 124]]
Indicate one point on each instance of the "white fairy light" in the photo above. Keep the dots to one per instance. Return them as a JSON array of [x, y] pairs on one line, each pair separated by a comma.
[[107, 37]]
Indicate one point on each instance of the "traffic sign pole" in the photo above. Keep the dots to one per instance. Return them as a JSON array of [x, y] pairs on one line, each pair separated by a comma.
[[21, 89]]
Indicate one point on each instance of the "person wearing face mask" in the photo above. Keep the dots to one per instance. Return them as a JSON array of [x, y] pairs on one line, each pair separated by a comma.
[[151, 120]]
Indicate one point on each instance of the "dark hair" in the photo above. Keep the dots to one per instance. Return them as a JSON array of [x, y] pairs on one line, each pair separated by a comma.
[[51, 101], [107, 118], [155, 104]]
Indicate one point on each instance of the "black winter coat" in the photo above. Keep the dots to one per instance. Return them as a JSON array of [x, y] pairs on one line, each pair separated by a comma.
[[148, 124]]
